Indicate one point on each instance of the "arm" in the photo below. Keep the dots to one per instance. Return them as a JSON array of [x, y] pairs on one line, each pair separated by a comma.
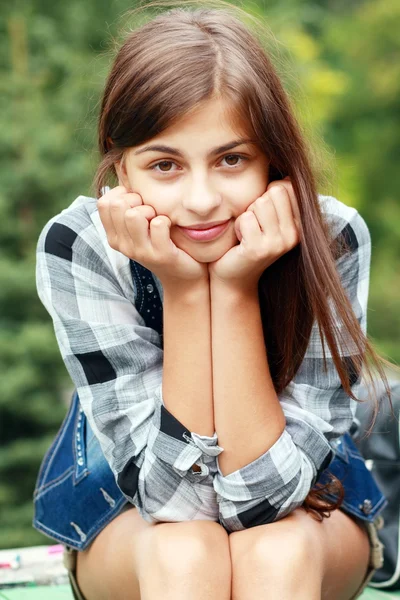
[[116, 365], [274, 452], [245, 399], [187, 383]]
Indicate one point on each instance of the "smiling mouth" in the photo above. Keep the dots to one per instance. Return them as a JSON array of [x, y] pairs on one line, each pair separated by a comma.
[[205, 235]]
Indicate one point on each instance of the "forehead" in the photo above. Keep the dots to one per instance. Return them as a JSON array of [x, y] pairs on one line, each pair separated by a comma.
[[213, 122], [213, 114]]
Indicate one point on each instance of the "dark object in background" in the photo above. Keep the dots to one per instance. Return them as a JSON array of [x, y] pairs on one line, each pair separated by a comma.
[[381, 449]]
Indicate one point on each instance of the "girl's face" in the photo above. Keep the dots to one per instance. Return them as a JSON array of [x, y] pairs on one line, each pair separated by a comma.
[[195, 180]]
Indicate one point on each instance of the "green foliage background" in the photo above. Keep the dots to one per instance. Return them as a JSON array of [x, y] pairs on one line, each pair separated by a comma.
[[344, 76]]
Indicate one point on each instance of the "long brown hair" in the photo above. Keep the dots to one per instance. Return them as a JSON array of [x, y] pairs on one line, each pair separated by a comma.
[[165, 68]]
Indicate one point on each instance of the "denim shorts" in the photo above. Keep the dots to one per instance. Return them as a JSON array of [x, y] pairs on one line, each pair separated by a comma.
[[375, 558]]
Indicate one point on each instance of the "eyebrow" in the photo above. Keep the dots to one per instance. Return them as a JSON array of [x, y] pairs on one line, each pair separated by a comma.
[[213, 152]]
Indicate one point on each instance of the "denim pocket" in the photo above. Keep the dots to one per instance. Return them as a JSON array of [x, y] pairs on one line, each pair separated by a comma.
[[76, 495]]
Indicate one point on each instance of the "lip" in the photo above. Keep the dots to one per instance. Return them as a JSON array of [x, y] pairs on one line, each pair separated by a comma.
[[205, 235], [200, 226]]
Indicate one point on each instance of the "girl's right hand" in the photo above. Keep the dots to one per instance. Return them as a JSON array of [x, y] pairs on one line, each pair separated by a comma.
[[135, 230]]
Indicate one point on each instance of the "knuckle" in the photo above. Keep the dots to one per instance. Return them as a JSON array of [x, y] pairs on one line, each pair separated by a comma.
[[131, 214], [277, 190], [136, 198], [115, 203], [102, 203], [261, 201]]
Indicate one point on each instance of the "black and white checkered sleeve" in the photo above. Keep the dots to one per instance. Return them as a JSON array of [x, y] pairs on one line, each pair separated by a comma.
[[116, 364], [317, 409]]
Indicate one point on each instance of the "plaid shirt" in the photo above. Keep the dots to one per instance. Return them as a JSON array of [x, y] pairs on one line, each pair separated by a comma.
[[116, 364]]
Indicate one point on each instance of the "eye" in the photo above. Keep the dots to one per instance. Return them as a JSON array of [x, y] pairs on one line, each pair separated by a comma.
[[166, 163], [162, 163], [235, 157]]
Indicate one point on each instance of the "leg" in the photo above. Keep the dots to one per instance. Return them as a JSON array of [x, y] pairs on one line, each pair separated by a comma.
[[300, 558], [135, 560], [186, 560], [109, 567]]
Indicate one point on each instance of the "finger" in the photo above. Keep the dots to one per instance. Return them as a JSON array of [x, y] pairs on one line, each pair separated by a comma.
[[103, 206], [249, 228], [114, 192], [288, 228], [283, 207], [160, 235], [117, 195], [131, 230], [133, 199], [287, 185], [146, 211], [136, 229], [119, 208], [266, 214]]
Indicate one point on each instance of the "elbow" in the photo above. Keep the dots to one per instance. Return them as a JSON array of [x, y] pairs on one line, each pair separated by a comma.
[[234, 517], [274, 505]]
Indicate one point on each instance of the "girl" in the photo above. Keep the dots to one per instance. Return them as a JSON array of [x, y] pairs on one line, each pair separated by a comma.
[[208, 440]]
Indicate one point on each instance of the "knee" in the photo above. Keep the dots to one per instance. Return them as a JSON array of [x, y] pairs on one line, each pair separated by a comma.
[[178, 548], [274, 551]]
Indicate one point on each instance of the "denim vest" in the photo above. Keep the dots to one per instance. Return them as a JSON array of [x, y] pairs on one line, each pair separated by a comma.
[[76, 495]]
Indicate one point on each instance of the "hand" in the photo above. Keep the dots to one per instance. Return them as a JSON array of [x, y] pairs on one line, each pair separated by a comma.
[[268, 229], [135, 230]]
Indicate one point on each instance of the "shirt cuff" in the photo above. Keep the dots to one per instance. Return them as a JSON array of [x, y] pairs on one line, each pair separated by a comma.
[[275, 474], [174, 444]]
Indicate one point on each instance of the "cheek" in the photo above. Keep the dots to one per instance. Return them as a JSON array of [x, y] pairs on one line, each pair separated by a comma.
[[162, 203], [152, 194], [249, 188]]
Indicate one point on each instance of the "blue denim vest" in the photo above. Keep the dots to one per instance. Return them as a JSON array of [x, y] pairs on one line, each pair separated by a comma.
[[76, 495]]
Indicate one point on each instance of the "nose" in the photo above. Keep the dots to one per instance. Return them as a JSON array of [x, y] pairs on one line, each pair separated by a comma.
[[201, 197]]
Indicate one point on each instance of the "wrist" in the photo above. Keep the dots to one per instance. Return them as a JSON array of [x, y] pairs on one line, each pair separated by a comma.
[[233, 290], [187, 291]]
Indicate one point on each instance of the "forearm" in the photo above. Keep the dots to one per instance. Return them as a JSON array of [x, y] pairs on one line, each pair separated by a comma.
[[187, 375], [248, 416]]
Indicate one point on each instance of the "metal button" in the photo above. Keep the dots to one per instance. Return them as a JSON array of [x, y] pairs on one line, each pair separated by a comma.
[[80, 461], [369, 463], [149, 288], [366, 506]]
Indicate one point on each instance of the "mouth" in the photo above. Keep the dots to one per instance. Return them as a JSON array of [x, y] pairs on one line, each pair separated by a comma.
[[205, 235]]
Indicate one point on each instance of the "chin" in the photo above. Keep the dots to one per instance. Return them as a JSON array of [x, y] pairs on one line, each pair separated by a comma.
[[207, 253]]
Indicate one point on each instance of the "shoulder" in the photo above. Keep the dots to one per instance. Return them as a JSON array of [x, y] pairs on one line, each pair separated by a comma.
[[63, 232], [345, 223], [77, 235]]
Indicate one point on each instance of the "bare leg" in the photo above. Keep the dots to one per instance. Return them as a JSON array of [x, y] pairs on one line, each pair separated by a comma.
[[299, 558], [108, 569], [135, 560], [186, 560]]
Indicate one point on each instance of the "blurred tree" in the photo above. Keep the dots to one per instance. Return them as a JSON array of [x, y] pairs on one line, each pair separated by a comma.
[[343, 74], [51, 68]]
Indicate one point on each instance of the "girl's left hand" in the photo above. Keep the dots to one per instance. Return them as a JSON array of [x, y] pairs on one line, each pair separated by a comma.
[[268, 229]]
